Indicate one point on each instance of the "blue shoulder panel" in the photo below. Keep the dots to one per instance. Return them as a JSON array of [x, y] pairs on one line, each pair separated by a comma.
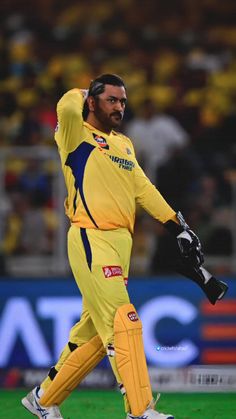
[[77, 160]]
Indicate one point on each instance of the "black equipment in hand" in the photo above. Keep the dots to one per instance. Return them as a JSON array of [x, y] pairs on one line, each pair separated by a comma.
[[189, 244], [189, 260]]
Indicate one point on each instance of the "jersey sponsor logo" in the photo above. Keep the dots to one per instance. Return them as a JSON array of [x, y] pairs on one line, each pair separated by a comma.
[[110, 271], [122, 163], [101, 141], [132, 315]]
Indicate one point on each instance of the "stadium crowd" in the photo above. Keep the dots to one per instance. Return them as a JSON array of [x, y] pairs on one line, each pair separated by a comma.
[[178, 61]]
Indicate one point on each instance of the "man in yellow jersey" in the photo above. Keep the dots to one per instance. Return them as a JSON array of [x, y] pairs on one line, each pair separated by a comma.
[[104, 183]]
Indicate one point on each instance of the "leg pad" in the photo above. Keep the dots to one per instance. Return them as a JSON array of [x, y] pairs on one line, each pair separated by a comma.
[[78, 364], [131, 360]]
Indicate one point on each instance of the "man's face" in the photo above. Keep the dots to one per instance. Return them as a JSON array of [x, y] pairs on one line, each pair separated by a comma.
[[109, 106]]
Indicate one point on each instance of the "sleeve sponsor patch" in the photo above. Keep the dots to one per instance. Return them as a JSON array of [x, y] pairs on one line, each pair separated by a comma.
[[110, 271], [132, 315]]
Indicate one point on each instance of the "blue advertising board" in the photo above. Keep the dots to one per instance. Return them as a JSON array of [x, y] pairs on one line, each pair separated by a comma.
[[180, 327]]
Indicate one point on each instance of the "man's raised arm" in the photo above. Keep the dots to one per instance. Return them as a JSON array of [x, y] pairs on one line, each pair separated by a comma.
[[69, 131]]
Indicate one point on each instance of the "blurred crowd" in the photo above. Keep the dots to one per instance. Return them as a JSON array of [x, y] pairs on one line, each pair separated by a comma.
[[178, 59]]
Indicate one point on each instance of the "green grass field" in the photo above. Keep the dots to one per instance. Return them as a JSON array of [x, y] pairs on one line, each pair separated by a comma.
[[108, 404]]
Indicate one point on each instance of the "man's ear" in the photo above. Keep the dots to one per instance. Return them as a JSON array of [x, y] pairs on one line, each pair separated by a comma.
[[91, 103]]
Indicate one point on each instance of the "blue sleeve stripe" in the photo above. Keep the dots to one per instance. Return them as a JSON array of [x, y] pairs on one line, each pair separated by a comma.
[[77, 160], [87, 247]]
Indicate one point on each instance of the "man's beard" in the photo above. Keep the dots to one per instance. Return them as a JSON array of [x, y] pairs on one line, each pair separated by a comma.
[[110, 121]]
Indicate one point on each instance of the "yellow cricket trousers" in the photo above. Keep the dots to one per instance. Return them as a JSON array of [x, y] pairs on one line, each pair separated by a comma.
[[100, 263]]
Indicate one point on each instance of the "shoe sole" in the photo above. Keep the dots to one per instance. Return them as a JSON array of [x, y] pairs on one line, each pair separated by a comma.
[[28, 406]]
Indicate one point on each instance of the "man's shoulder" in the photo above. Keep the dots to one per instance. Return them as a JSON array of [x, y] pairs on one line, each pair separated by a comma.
[[122, 136]]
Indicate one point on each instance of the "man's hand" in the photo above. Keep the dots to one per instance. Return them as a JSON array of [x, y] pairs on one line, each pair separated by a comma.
[[188, 243], [84, 93], [190, 248]]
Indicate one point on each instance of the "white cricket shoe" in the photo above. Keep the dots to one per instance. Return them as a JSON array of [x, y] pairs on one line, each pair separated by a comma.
[[31, 403], [150, 414]]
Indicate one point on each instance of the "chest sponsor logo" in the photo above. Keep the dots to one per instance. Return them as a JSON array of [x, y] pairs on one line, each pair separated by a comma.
[[122, 163], [101, 141], [132, 315], [110, 271]]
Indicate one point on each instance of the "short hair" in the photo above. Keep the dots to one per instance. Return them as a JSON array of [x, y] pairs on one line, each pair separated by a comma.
[[97, 86]]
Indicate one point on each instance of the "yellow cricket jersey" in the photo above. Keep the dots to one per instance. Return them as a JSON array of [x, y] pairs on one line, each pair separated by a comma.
[[103, 178]]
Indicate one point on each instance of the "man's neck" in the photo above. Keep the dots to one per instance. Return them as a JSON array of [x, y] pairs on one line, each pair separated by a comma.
[[97, 125]]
